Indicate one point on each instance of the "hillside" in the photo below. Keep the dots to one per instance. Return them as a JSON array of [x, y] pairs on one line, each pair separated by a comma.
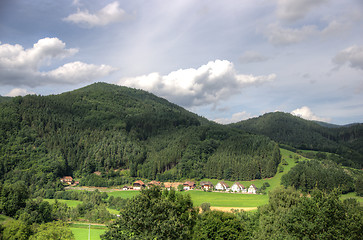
[[104, 127], [286, 129]]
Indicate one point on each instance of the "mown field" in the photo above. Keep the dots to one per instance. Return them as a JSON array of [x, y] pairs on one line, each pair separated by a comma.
[[81, 231]]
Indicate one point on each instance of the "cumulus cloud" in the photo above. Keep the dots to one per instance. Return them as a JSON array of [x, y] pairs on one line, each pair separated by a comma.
[[109, 14], [18, 92], [208, 84], [21, 66], [289, 10], [307, 114], [352, 55], [236, 117], [279, 35], [252, 56]]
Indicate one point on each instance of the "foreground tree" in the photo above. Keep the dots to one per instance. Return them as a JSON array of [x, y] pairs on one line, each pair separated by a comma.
[[290, 215], [155, 215], [13, 197], [219, 225]]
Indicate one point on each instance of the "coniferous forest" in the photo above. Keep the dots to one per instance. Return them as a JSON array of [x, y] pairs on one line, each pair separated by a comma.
[[109, 128]]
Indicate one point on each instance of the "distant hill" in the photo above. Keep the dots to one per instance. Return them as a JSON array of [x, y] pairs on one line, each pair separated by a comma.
[[104, 127], [284, 128]]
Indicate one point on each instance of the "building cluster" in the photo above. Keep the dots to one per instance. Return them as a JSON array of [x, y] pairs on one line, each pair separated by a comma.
[[190, 185]]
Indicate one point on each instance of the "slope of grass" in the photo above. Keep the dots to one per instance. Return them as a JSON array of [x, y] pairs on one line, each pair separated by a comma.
[[74, 203], [82, 233], [70, 203]]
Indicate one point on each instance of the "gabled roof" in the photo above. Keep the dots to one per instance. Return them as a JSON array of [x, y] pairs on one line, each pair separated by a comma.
[[139, 182], [253, 185], [189, 183], [206, 183], [223, 184], [239, 185], [157, 183]]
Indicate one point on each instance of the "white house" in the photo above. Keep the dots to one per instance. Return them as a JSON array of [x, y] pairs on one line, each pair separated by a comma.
[[222, 186], [252, 189], [237, 187]]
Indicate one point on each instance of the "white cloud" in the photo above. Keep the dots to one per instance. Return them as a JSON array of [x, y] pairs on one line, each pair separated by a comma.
[[236, 117], [18, 92], [21, 66], [278, 35], [352, 55], [252, 56], [292, 10], [109, 14], [208, 84], [306, 113]]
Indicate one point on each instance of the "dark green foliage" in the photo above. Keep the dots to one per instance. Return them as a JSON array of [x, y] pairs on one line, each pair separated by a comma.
[[321, 216], [205, 207], [359, 186], [294, 132], [219, 225], [155, 215], [13, 198], [105, 127], [326, 175], [36, 211]]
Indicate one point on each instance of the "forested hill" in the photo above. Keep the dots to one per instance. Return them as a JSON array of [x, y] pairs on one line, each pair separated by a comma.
[[347, 141], [105, 127]]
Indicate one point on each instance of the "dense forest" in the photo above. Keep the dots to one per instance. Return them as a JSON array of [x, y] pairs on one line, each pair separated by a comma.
[[294, 132], [122, 131]]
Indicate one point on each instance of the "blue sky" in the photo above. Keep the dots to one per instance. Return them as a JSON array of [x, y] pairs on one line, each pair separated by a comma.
[[225, 60]]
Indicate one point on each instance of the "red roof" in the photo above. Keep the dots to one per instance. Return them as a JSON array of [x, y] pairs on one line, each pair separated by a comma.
[[139, 182], [189, 183]]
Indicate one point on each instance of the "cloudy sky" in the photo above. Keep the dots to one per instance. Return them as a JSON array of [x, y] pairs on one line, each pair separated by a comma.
[[225, 60]]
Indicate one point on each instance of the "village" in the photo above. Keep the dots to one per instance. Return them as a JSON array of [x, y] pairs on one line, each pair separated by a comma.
[[181, 186]]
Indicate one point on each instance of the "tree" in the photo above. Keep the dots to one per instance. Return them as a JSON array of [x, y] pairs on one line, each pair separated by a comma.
[[290, 215], [53, 231], [16, 230], [155, 215], [219, 225], [13, 197]]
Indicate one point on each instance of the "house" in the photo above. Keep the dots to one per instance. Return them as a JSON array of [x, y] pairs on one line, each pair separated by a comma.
[[138, 185], [170, 185], [237, 187], [252, 189], [67, 179], [153, 183], [189, 185], [206, 185], [222, 186], [125, 188]]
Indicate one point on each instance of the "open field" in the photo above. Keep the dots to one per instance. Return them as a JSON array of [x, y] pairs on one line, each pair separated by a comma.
[[81, 233], [74, 203], [70, 203]]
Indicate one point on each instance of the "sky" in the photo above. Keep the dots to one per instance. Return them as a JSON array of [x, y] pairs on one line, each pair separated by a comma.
[[225, 60]]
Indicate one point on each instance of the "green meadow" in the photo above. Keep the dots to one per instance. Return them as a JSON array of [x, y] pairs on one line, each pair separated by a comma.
[[82, 231], [74, 203]]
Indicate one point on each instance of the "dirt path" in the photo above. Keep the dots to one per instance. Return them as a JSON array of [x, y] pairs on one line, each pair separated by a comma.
[[229, 209]]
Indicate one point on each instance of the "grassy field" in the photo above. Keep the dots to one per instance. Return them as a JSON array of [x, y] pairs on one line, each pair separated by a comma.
[[74, 203], [81, 233], [70, 203], [123, 194]]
